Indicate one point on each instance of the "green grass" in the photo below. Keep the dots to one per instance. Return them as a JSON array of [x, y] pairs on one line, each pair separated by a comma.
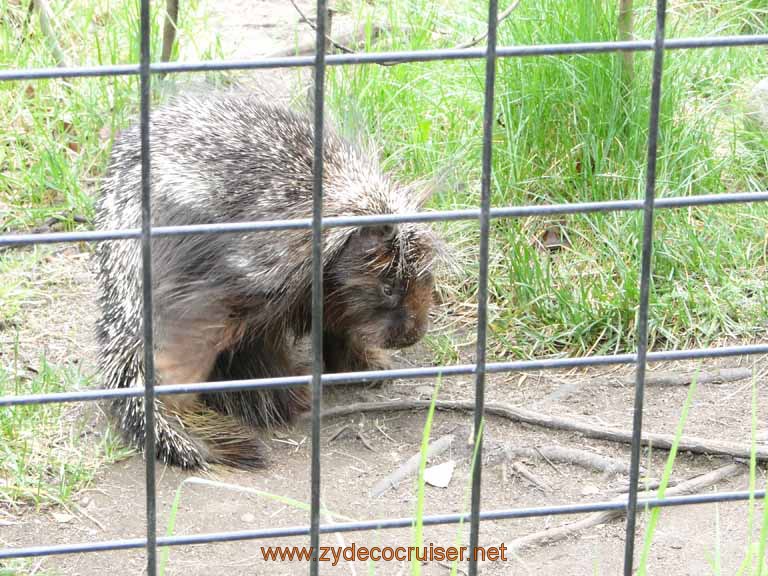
[[22, 566], [755, 550], [16, 291], [443, 348], [60, 131], [467, 498], [567, 131], [46, 453]]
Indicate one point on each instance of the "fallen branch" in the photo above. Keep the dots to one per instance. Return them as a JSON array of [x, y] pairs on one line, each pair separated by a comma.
[[411, 465], [672, 379], [575, 456], [563, 531], [661, 441]]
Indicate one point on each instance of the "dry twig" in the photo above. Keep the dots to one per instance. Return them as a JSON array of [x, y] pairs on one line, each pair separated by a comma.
[[522, 470], [82, 511], [309, 47], [308, 22], [647, 485], [499, 19], [360, 436], [338, 433], [551, 535]]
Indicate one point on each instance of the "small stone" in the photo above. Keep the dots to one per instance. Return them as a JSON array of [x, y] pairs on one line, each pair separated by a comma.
[[758, 103], [248, 518]]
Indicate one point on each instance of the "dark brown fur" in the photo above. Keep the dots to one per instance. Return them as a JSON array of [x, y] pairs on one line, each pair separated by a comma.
[[234, 306]]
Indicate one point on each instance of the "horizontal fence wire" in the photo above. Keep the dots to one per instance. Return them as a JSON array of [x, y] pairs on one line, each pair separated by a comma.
[[351, 221], [381, 524], [390, 374], [403, 56], [145, 69]]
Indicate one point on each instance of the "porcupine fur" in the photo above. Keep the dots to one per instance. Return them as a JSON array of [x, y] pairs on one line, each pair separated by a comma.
[[232, 306]]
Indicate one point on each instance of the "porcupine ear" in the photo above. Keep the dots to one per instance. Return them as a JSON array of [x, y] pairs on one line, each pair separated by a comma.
[[376, 235]]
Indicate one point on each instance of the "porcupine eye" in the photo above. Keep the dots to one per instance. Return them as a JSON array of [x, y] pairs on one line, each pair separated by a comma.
[[388, 294]]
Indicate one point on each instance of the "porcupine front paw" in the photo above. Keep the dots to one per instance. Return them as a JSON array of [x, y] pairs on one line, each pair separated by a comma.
[[340, 354]]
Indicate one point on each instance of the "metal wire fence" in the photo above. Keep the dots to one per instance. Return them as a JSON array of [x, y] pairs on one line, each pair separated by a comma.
[[480, 368]]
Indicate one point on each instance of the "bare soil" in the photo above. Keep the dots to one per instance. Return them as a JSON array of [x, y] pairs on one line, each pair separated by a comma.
[[686, 542]]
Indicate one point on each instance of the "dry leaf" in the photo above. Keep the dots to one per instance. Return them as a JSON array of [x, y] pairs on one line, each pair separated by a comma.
[[440, 475], [553, 239], [105, 133], [23, 121]]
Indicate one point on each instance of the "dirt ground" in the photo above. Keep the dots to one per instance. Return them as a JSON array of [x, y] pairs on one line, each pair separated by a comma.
[[687, 541]]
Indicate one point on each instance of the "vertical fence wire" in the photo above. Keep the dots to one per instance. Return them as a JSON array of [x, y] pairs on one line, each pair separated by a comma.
[[317, 283], [482, 286], [645, 285], [146, 270]]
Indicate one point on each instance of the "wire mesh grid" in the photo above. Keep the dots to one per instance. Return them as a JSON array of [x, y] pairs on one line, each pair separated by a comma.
[[480, 368]]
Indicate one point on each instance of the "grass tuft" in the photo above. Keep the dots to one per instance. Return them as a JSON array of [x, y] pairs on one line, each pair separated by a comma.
[[59, 132], [567, 130]]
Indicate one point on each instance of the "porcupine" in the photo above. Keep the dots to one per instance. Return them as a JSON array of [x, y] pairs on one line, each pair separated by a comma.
[[232, 306]]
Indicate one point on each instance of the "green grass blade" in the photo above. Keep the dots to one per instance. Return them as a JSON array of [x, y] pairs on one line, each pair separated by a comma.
[[418, 527], [656, 512], [169, 529]]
